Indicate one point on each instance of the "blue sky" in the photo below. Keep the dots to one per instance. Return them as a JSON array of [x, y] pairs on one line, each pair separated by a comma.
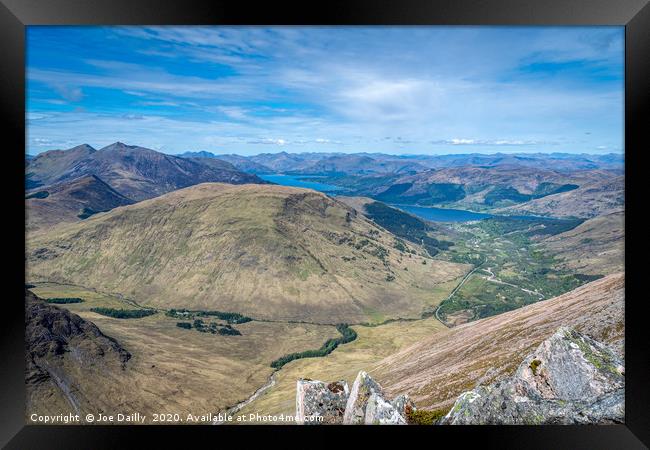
[[250, 90]]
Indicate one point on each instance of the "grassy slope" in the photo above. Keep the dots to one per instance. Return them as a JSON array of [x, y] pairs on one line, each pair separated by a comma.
[[590, 200], [174, 370], [265, 251], [594, 247], [371, 345], [437, 369], [66, 201]]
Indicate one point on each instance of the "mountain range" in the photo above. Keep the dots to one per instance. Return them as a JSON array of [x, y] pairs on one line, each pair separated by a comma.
[[69, 185], [267, 251], [135, 172], [539, 184], [351, 163], [194, 238]]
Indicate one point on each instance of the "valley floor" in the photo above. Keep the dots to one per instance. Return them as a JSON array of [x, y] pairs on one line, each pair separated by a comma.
[[174, 370], [494, 276]]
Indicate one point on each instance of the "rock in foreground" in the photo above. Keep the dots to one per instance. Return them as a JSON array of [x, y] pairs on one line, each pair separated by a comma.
[[362, 389], [569, 379], [316, 399], [336, 404]]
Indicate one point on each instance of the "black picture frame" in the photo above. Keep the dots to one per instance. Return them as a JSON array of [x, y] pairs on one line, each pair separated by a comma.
[[16, 14]]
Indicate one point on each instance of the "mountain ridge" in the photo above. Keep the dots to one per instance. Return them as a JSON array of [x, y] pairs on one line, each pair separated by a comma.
[[266, 251], [70, 201], [481, 352], [135, 172]]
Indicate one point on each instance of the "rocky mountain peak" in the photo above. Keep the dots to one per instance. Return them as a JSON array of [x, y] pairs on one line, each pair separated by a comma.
[[118, 146]]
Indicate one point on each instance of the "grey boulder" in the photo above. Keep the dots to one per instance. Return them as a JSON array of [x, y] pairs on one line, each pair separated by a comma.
[[569, 379], [381, 412], [362, 388], [320, 403]]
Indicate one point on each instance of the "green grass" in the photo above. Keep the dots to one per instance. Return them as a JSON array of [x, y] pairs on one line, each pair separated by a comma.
[[124, 313], [534, 364], [507, 245], [423, 417], [63, 300], [229, 317], [347, 335]]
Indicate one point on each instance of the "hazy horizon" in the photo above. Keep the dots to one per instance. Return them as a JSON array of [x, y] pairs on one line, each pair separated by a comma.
[[326, 152], [392, 90]]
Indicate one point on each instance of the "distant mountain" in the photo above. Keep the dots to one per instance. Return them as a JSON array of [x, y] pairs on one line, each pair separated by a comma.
[[470, 187], [52, 166], [591, 199], [595, 247], [288, 162], [368, 163], [240, 162], [359, 165], [266, 251], [564, 162], [200, 154], [135, 172], [71, 201]]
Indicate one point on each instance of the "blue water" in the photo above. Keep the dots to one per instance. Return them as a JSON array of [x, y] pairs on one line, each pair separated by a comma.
[[433, 214], [426, 213], [443, 214], [290, 180]]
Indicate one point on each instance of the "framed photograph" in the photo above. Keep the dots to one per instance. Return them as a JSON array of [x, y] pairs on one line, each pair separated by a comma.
[[409, 217]]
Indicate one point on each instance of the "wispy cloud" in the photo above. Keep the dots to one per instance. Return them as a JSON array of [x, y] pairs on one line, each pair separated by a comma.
[[333, 88], [507, 142]]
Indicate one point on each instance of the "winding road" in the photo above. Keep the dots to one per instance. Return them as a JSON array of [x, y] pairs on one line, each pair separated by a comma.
[[492, 278], [451, 294]]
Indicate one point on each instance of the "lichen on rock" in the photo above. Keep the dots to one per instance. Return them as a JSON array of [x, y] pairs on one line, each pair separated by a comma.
[[362, 388], [381, 412], [320, 403], [569, 379], [334, 403]]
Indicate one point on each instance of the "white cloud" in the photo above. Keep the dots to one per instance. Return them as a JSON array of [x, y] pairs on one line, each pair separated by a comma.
[[234, 112], [351, 85], [490, 142]]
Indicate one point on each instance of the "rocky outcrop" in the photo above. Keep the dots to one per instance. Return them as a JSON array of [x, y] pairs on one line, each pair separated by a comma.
[[65, 356], [320, 403], [436, 370], [381, 412], [569, 379], [362, 388], [51, 332]]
